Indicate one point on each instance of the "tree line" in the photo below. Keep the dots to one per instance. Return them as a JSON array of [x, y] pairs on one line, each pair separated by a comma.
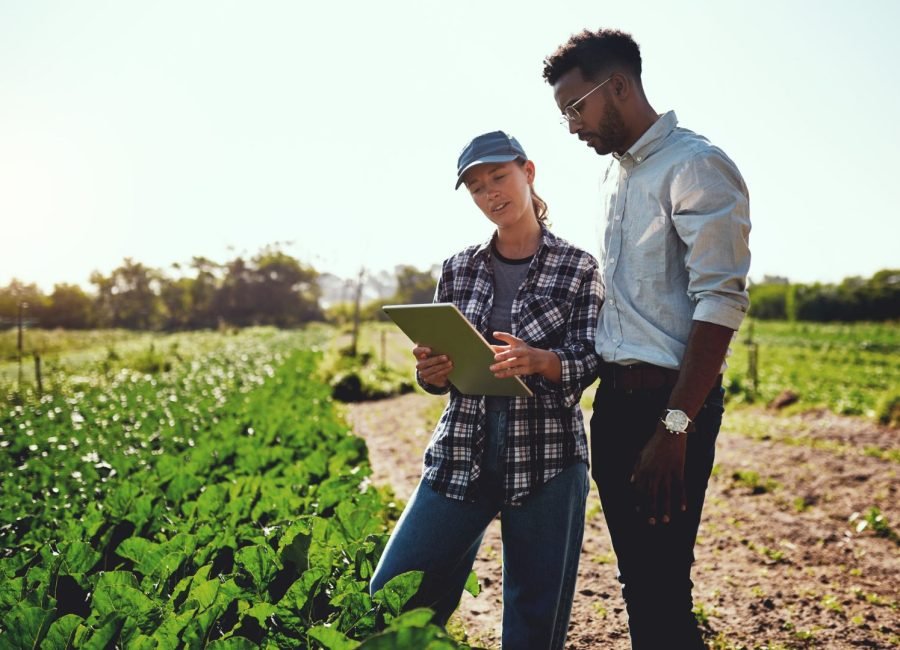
[[270, 288], [274, 288], [854, 299]]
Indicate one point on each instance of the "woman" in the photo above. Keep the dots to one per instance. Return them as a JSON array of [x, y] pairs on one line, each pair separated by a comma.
[[537, 297]]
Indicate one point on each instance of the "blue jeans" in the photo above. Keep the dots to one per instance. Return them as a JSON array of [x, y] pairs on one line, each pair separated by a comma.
[[654, 562], [541, 545]]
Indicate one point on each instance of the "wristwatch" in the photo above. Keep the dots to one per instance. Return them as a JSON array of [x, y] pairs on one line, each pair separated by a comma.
[[676, 421]]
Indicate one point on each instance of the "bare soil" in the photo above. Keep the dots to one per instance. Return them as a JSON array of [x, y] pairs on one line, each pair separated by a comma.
[[782, 560]]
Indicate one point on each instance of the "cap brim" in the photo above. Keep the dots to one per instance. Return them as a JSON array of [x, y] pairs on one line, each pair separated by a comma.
[[486, 159]]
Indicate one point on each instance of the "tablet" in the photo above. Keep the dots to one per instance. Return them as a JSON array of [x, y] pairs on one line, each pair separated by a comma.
[[443, 328]]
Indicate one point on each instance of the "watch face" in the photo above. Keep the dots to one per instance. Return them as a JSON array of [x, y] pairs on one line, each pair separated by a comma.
[[677, 421]]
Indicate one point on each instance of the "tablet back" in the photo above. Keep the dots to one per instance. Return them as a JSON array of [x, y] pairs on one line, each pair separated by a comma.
[[444, 329]]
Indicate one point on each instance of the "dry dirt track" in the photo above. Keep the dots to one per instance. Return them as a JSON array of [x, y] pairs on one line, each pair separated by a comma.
[[779, 563]]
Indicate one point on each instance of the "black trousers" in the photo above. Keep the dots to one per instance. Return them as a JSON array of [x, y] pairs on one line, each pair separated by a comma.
[[654, 562]]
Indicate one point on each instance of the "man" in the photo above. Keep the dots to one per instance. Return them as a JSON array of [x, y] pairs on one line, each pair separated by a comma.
[[674, 259]]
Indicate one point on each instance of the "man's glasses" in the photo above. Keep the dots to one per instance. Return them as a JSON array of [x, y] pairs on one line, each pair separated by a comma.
[[570, 114]]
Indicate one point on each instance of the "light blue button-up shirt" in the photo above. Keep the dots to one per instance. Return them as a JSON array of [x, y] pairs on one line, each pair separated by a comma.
[[674, 245]]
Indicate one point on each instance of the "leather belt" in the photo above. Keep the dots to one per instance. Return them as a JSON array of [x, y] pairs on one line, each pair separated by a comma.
[[640, 376], [637, 376]]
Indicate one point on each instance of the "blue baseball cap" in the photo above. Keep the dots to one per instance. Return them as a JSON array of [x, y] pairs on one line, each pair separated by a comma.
[[493, 147]]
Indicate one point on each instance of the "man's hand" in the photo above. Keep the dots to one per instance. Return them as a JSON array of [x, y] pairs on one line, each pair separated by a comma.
[[433, 370], [659, 471], [517, 358], [659, 475]]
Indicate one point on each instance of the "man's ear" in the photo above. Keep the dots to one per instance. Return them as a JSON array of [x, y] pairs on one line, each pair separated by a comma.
[[620, 86]]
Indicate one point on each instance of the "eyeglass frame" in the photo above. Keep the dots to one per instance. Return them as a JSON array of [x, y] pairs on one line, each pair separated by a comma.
[[566, 118]]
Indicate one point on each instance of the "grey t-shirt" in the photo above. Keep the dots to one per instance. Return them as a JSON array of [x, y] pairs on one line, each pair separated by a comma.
[[508, 277]]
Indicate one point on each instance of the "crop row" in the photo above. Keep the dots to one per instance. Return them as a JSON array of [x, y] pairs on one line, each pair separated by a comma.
[[221, 504]]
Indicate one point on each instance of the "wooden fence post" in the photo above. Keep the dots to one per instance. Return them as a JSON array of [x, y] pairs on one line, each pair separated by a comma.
[[22, 307], [37, 373], [752, 362], [359, 289]]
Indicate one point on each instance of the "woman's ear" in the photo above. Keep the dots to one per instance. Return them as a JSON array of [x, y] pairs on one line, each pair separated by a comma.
[[528, 168]]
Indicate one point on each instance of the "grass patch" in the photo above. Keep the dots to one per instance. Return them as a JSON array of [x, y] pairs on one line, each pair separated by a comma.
[[754, 482]]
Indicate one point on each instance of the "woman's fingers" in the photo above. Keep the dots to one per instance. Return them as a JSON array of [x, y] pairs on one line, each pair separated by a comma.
[[421, 352], [508, 338], [430, 363]]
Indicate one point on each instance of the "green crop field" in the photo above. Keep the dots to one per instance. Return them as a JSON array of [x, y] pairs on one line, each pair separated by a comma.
[[202, 492], [851, 369]]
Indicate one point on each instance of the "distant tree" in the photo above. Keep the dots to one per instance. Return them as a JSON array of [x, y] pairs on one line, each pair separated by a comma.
[[69, 307], [204, 287], [104, 306], [880, 295], [129, 297], [176, 299], [414, 286], [287, 293], [16, 293], [769, 301], [234, 301], [854, 299]]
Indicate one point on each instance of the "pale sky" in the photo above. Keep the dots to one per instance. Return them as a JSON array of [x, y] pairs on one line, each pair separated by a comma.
[[163, 130]]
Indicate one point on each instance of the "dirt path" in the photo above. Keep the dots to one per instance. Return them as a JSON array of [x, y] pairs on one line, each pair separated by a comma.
[[779, 561]]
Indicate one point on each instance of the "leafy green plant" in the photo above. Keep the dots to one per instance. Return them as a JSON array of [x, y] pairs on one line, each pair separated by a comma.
[[356, 378], [875, 521], [218, 502], [752, 480], [888, 409]]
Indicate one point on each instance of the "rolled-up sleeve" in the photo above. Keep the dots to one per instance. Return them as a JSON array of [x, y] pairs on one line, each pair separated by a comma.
[[711, 214], [578, 359]]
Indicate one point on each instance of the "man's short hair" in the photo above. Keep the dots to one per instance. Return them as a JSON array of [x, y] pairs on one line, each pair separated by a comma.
[[595, 53]]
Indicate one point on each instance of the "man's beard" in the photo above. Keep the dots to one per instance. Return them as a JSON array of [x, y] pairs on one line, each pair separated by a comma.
[[610, 134]]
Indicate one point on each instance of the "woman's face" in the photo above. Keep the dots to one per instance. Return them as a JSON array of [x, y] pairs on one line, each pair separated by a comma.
[[501, 191]]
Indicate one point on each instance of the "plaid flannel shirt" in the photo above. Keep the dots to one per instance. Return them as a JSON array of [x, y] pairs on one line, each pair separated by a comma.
[[556, 308]]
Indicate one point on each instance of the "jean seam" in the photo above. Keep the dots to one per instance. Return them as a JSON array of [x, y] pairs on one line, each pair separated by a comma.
[[571, 574]]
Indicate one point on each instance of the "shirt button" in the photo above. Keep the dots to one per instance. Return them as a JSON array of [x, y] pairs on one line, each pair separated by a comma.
[[618, 217], [639, 158], [612, 260]]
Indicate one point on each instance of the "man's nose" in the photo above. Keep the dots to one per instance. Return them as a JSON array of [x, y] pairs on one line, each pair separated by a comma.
[[574, 126]]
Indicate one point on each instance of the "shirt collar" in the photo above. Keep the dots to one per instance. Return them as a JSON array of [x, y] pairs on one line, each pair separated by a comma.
[[548, 239], [651, 140]]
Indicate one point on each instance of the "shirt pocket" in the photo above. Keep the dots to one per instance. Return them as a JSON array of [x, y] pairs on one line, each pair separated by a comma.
[[542, 320]]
